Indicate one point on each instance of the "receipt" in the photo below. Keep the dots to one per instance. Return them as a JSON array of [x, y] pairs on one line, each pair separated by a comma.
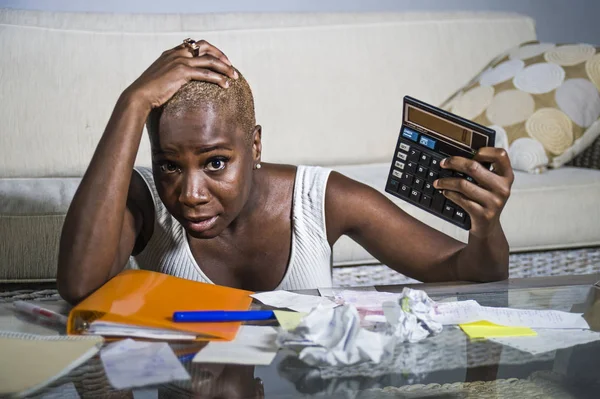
[[470, 311], [130, 363]]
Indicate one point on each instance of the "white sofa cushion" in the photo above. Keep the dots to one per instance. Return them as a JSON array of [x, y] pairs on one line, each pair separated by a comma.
[[556, 209], [32, 213], [313, 75]]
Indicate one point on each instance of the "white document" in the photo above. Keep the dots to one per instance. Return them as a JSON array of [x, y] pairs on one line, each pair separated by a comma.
[[549, 340], [290, 300], [470, 311], [110, 329], [130, 363], [253, 345], [460, 312]]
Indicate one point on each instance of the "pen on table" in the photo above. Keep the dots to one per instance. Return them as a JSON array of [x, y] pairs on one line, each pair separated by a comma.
[[186, 357], [212, 316], [45, 314]]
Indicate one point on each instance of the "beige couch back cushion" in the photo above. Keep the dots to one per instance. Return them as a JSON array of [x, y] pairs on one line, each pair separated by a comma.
[[328, 87]]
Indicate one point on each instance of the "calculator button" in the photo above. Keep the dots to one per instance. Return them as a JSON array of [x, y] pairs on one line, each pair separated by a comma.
[[418, 183], [404, 147], [459, 174], [425, 159], [415, 195], [404, 190], [435, 164], [459, 215], [428, 189], [401, 156], [413, 155], [469, 178], [410, 134], [427, 142], [399, 165], [421, 171], [393, 185], [426, 200], [397, 173], [448, 210], [438, 201], [432, 176], [411, 167], [407, 179]]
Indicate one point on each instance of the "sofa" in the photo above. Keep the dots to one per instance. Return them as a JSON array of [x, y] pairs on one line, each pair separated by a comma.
[[328, 89]]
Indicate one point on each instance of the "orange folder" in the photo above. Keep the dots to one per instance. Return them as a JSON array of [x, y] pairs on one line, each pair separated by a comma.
[[141, 303]]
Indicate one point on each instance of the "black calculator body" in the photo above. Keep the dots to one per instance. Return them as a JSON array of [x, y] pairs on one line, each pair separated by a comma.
[[428, 135]]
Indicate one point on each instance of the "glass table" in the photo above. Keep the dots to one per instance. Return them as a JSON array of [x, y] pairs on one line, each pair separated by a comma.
[[447, 365]]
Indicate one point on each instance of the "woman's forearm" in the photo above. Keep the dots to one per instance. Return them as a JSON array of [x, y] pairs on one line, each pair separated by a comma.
[[91, 233], [484, 258]]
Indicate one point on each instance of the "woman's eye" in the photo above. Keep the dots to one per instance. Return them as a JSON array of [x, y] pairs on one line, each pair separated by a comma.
[[168, 167], [216, 164]]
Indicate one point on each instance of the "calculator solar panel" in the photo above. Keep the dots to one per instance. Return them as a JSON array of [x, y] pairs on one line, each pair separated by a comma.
[[428, 135]]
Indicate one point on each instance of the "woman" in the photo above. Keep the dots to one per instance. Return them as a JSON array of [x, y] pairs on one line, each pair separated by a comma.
[[211, 211]]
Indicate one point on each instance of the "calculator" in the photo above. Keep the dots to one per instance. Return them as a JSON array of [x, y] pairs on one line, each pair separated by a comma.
[[428, 135]]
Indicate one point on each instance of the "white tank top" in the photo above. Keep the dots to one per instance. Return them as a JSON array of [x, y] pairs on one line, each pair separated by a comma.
[[309, 266]]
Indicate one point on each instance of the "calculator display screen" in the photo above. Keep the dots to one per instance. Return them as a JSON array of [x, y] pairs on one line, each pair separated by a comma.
[[434, 123]]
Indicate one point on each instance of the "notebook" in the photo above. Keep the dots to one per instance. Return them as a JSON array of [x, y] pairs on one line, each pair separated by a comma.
[[140, 304], [28, 362]]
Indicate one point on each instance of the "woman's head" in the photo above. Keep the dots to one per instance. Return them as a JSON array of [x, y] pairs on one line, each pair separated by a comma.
[[205, 145]]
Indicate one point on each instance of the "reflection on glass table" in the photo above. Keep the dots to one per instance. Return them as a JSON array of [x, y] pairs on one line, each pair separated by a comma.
[[447, 365]]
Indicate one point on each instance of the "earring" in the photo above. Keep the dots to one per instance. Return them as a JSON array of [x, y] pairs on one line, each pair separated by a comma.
[[257, 166]]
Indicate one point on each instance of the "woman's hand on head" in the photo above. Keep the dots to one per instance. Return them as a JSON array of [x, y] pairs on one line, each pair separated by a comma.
[[485, 200], [178, 66]]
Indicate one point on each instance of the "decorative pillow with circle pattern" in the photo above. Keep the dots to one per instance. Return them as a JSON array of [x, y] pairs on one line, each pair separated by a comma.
[[542, 99]]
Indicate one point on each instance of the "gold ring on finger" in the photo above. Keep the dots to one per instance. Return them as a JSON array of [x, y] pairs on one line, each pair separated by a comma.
[[192, 45]]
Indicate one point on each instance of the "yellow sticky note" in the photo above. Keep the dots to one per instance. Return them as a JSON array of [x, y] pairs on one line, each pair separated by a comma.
[[485, 329], [288, 320]]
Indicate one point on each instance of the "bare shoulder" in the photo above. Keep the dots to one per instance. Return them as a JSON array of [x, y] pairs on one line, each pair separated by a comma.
[[280, 172], [279, 177]]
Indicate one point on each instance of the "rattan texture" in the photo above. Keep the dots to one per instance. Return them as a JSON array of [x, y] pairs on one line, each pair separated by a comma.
[[530, 264], [29, 295]]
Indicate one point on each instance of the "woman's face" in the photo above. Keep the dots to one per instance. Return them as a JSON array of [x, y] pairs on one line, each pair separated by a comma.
[[203, 167]]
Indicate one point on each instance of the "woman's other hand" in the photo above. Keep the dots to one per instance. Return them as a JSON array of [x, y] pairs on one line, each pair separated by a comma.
[[178, 66], [485, 200]]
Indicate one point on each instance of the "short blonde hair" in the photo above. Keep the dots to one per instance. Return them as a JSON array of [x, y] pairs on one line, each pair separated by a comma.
[[236, 100]]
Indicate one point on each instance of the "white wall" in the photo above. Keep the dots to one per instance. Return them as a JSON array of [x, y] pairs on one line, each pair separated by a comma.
[[557, 20]]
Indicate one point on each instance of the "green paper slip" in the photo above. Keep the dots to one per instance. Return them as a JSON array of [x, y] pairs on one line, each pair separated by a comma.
[[288, 320]]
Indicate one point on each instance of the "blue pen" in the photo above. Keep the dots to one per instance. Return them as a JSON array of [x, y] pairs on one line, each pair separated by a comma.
[[187, 358], [211, 316]]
